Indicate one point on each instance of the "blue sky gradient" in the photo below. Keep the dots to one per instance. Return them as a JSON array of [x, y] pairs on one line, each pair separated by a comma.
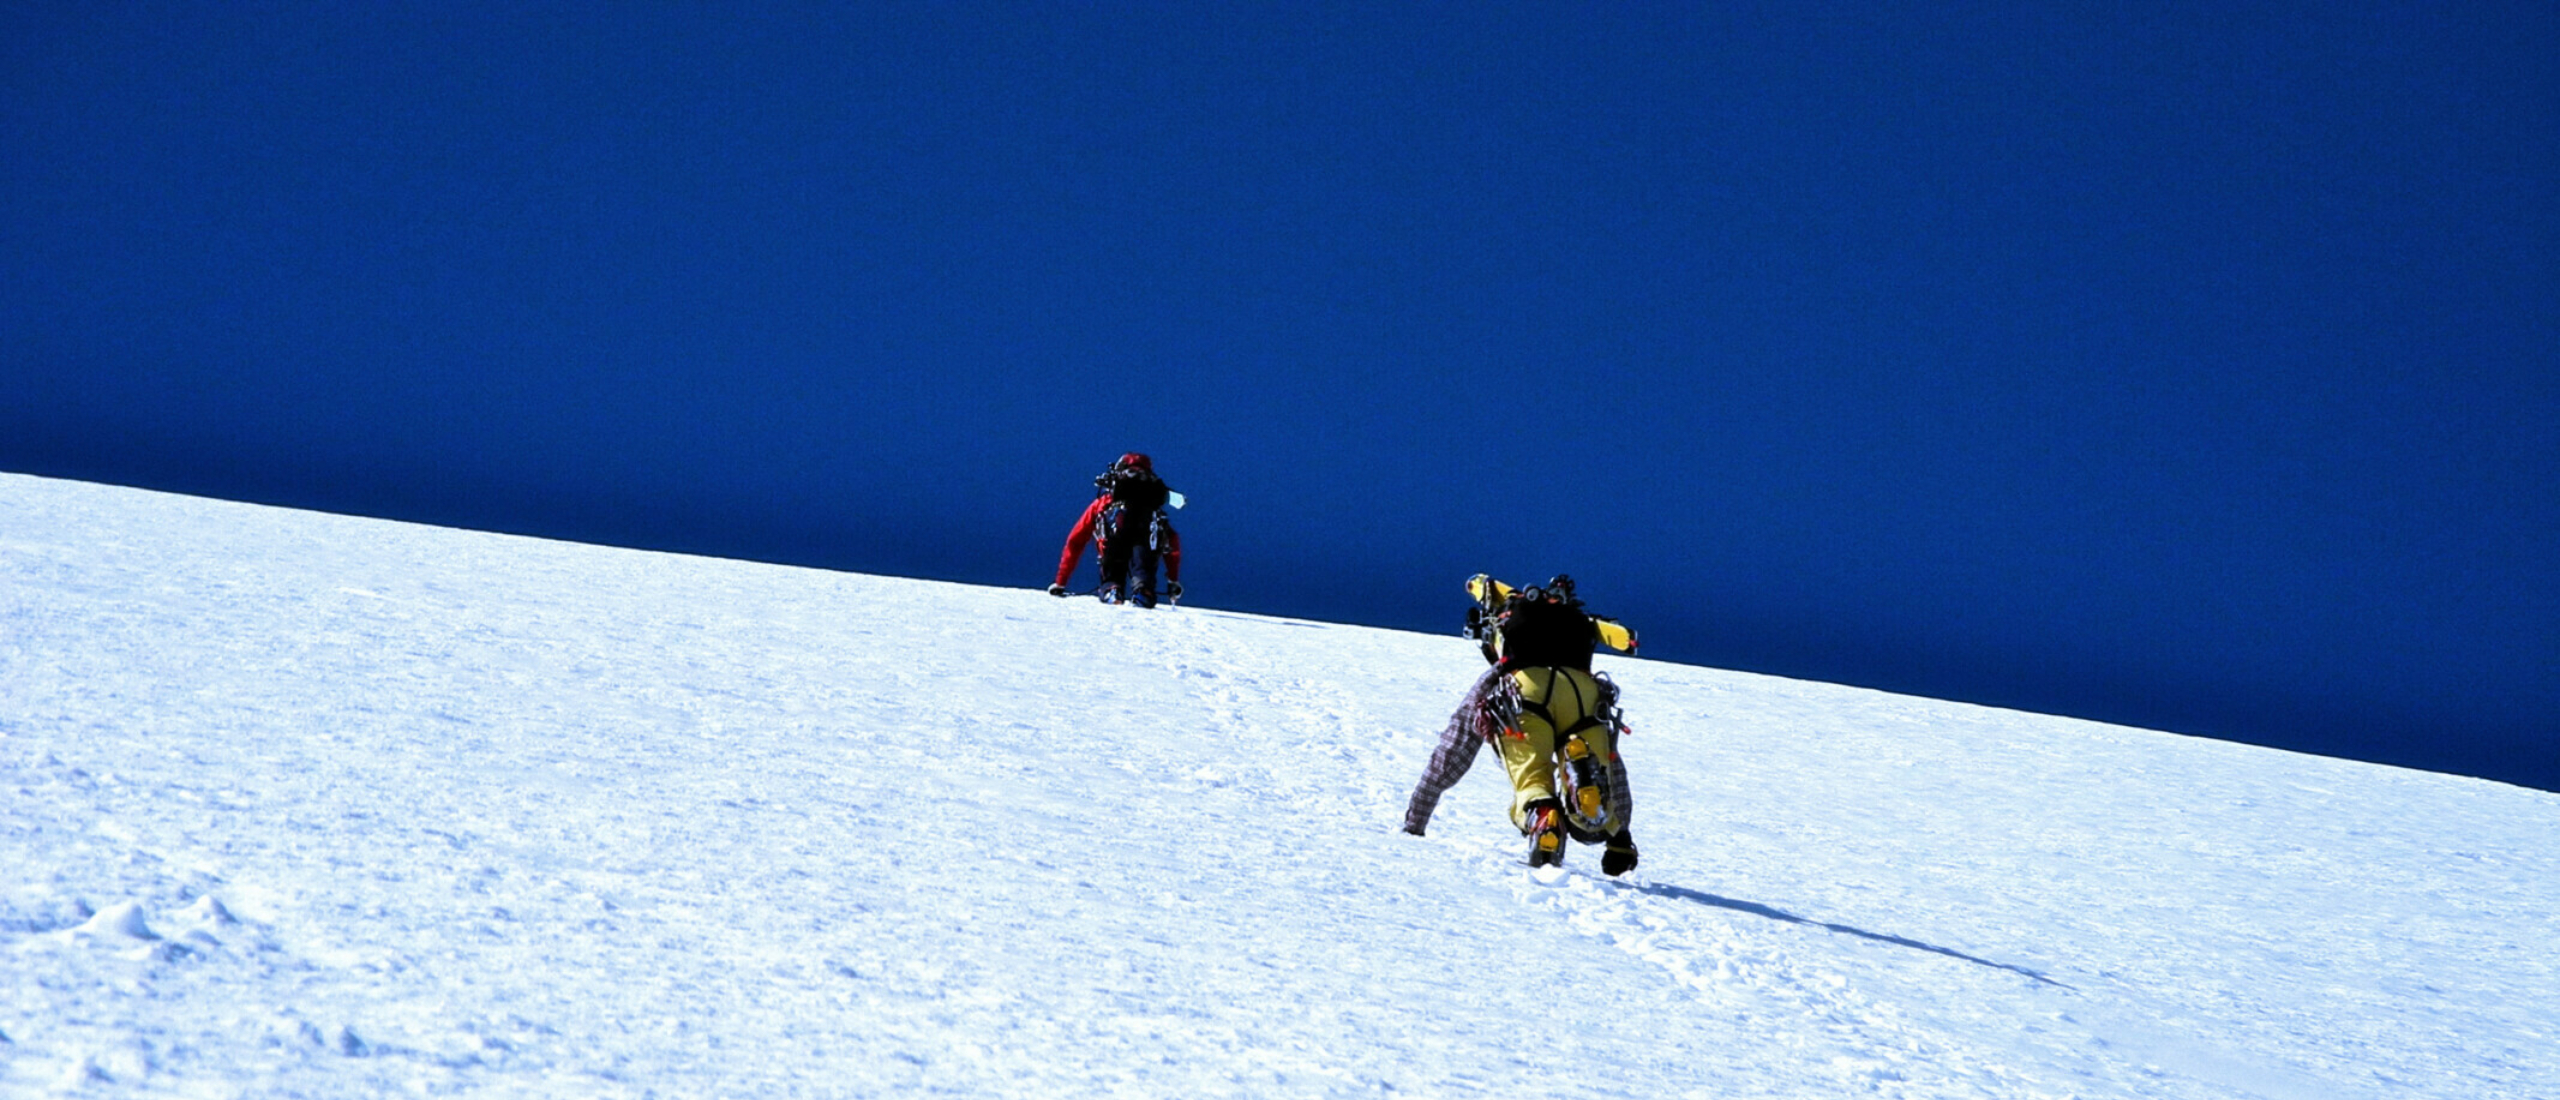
[[2192, 367]]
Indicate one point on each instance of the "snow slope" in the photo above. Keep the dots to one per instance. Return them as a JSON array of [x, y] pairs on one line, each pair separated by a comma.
[[305, 805]]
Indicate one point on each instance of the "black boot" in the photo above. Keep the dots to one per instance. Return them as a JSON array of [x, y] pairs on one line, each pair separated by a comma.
[[1620, 857]]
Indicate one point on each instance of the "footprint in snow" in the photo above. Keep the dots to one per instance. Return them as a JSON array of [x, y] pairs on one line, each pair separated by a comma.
[[125, 928]]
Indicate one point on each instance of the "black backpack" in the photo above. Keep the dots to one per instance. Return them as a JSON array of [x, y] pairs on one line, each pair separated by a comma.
[[1141, 492], [1545, 629]]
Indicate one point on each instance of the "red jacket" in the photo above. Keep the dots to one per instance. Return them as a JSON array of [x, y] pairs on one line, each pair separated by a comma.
[[1082, 537]]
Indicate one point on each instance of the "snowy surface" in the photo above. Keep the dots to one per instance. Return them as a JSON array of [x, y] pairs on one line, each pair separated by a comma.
[[305, 805]]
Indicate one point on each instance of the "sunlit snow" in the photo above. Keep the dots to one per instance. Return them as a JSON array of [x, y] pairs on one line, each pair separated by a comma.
[[305, 805]]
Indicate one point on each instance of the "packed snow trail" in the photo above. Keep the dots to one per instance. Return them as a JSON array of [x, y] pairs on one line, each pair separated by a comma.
[[311, 805]]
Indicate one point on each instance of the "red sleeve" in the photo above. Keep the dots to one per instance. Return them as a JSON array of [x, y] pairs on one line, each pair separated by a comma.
[[1172, 553], [1079, 538]]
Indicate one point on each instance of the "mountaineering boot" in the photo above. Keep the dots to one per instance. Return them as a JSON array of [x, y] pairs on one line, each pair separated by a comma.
[[1545, 821], [1620, 857]]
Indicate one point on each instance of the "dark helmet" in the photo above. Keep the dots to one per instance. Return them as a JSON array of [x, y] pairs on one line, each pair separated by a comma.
[[1134, 461], [1561, 587]]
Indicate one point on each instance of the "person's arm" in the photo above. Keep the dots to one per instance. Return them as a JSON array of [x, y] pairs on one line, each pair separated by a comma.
[[1173, 556], [1465, 733], [1077, 540]]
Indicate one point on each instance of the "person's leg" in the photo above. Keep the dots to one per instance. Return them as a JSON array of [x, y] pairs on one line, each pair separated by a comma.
[[1529, 756], [1115, 565], [1142, 576], [1590, 756], [1551, 699]]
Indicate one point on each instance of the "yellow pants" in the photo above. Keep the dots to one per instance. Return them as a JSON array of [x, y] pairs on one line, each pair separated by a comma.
[[1553, 701]]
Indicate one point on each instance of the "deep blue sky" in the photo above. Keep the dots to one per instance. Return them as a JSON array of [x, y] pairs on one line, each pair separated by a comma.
[[2194, 367]]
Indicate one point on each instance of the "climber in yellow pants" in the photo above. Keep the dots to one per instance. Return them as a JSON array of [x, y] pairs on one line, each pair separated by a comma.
[[1540, 705]]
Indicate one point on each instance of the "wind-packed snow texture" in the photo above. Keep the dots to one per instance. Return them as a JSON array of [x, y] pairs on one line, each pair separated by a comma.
[[295, 804]]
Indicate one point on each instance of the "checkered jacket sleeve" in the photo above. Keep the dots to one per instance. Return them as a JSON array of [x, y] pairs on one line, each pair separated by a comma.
[[1469, 728]]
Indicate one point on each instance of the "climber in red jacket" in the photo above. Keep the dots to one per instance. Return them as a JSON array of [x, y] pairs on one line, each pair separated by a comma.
[[1128, 519]]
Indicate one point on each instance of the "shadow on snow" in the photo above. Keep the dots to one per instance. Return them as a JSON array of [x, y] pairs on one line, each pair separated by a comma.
[[1756, 909]]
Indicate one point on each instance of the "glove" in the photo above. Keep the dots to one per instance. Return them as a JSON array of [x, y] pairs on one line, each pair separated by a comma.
[[1173, 590], [1621, 856], [1057, 590]]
